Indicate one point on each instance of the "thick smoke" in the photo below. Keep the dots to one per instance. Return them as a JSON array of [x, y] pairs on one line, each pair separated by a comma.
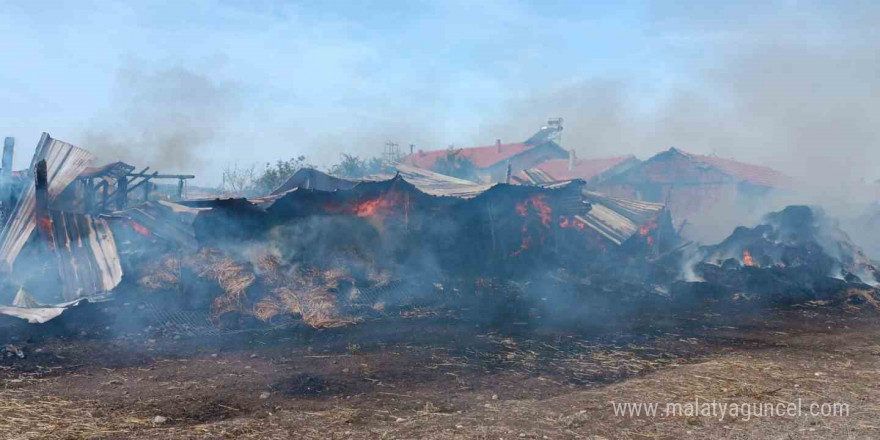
[[166, 119], [795, 90], [793, 86]]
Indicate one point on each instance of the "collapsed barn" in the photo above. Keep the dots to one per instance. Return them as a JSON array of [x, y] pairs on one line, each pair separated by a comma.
[[331, 251]]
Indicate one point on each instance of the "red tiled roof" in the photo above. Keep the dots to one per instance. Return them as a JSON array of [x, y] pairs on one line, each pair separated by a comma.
[[482, 157], [583, 168], [754, 174]]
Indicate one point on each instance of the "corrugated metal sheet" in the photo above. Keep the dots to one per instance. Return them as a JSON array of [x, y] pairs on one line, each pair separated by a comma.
[[609, 224], [64, 163], [167, 220], [115, 170], [436, 184], [87, 258], [618, 219], [310, 178], [535, 176]]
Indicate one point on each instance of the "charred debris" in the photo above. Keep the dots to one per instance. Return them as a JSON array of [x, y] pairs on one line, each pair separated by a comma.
[[327, 251]]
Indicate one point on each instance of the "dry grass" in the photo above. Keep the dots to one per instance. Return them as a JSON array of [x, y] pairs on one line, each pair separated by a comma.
[[46, 417], [162, 275]]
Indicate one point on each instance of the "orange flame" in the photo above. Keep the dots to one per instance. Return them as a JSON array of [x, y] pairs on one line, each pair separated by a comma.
[[140, 229], [648, 227], [526, 243], [566, 222], [747, 258], [45, 226], [537, 204]]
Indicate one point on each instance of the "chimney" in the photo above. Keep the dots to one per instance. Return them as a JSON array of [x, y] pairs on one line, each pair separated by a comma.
[[498, 144], [572, 158], [411, 148]]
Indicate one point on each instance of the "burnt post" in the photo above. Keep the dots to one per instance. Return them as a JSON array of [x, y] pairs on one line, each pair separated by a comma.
[[122, 193], [105, 193], [180, 189], [89, 194], [41, 193], [6, 175], [148, 188]]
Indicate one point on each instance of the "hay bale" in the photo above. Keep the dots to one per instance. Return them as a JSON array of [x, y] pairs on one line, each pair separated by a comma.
[[162, 275]]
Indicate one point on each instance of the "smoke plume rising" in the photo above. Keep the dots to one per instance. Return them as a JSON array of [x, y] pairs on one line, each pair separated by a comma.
[[790, 86], [165, 118]]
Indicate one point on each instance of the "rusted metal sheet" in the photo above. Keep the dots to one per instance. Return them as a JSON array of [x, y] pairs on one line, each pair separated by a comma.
[[88, 262], [64, 163], [166, 220]]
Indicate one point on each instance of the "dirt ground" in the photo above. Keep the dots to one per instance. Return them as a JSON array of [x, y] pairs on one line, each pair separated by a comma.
[[436, 377]]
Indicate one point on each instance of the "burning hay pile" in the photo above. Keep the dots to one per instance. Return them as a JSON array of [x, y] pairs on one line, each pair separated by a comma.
[[797, 255], [357, 250]]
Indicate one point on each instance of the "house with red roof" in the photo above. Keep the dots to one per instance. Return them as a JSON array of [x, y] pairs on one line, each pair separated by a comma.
[[491, 162], [692, 183]]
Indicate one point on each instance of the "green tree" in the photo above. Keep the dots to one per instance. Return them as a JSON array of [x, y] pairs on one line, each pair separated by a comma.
[[354, 167], [239, 181], [454, 164], [274, 175]]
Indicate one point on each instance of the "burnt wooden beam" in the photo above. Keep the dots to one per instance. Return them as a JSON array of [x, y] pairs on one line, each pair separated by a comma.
[[136, 175], [121, 193], [156, 175], [89, 194], [180, 187], [41, 193], [145, 180]]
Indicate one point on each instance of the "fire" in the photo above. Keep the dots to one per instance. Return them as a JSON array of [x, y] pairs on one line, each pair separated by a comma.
[[648, 227], [372, 207], [747, 258], [140, 229], [566, 222], [537, 204], [379, 206], [45, 226], [526, 243]]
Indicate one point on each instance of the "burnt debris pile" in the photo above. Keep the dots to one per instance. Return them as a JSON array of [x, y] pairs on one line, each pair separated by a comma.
[[796, 255], [327, 251]]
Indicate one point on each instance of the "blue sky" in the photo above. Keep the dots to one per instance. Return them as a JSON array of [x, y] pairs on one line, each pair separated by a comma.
[[244, 82]]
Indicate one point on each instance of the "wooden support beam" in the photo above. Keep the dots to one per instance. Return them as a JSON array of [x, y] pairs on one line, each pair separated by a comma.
[[162, 176], [121, 193], [136, 175], [145, 180], [41, 188], [105, 194], [180, 187], [89, 194]]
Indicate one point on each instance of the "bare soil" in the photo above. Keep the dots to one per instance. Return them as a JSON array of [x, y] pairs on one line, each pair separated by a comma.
[[439, 377]]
